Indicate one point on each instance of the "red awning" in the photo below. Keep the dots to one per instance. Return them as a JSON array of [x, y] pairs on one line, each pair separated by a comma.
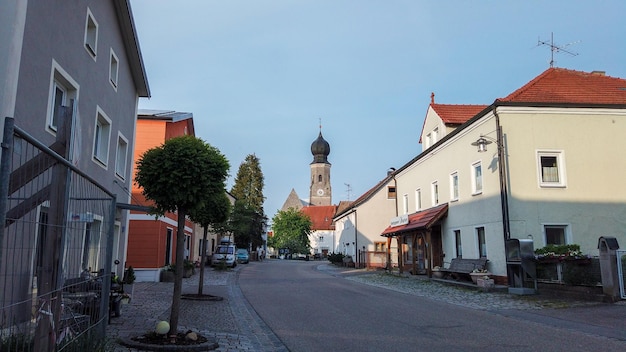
[[421, 220]]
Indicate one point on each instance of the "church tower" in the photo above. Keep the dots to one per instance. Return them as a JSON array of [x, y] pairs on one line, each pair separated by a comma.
[[320, 192]]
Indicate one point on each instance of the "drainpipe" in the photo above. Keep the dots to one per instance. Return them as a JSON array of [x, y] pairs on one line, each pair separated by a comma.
[[356, 242]]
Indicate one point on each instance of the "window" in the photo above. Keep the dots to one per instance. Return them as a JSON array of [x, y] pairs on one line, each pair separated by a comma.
[[454, 186], [418, 200], [63, 94], [457, 243], [91, 35], [435, 135], [319, 178], [477, 178], [121, 156], [435, 193], [555, 234], [482, 246], [102, 135], [551, 169], [380, 246], [391, 192], [113, 70], [429, 141], [405, 203]]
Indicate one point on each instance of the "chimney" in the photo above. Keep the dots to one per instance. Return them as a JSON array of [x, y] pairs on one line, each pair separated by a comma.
[[391, 171], [598, 73]]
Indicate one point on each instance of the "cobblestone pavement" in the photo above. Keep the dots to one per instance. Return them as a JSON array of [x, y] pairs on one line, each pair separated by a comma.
[[234, 324]]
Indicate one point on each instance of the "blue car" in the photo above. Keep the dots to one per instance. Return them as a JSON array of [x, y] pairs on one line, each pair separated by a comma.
[[242, 256]]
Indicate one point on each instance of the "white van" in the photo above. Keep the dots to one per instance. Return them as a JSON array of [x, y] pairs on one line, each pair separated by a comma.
[[224, 253]]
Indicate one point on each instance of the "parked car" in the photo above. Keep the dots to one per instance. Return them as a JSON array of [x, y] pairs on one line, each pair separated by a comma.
[[224, 255], [243, 256]]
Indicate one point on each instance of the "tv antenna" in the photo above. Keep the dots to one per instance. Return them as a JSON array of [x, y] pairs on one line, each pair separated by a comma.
[[556, 48], [348, 190]]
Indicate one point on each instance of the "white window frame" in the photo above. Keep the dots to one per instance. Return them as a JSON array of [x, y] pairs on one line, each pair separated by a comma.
[[91, 35], [478, 242], [114, 69], [59, 78], [435, 135], [434, 188], [454, 186], [101, 138], [121, 156], [477, 187], [560, 166], [458, 243], [418, 199], [405, 203], [566, 232]]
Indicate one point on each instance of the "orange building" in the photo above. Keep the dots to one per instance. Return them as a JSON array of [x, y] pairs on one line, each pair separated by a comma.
[[151, 240]]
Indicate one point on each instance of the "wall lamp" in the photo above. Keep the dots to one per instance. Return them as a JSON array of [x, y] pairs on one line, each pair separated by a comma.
[[482, 143]]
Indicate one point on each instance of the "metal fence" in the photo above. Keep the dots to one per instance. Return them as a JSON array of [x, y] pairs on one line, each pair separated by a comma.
[[55, 249]]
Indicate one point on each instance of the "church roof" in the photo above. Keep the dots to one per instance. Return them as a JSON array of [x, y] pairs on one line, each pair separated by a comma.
[[293, 201], [321, 216]]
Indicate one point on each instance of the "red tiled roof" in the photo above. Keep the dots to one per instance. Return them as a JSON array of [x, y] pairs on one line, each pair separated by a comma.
[[321, 216], [456, 114], [419, 221], [558, 85]]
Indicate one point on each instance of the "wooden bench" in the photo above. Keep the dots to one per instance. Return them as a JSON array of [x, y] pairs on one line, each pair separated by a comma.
[[461, 267]]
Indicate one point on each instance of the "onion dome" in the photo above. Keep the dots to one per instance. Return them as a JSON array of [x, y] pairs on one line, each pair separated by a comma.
[[320, 150]]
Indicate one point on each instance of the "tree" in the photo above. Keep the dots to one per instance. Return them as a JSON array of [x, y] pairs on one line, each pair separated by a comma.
[[181, 176], [291, 230], [248, 220], [249, 183], [213, 214]]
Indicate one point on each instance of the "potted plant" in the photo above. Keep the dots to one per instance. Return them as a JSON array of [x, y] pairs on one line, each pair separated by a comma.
[[129, 280], [437, 273], [187, 268], [168, 274], [480, 273]]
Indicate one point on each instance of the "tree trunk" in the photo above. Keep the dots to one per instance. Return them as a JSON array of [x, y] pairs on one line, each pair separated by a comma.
[[178, 280], [202, 260]]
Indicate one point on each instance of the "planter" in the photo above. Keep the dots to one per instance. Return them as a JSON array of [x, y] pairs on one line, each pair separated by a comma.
[[437, 274], [167, 276], [476, 276], [187, 272]]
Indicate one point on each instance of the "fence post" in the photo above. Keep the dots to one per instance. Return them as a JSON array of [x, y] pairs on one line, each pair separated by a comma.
[[5, 170]]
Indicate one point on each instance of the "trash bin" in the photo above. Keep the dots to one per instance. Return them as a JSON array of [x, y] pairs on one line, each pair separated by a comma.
[[520, 266], [608, 267]]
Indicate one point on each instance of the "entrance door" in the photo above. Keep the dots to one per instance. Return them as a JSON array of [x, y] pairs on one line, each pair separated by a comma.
[[437, 248]]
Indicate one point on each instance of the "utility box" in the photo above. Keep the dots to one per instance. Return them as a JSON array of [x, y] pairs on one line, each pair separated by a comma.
[[520, 266], [608, 247]]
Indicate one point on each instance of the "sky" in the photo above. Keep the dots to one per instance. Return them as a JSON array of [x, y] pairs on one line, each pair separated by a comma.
[[259, 76]]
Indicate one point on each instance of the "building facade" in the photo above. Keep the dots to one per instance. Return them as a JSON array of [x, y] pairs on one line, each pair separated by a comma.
[[152, 241]]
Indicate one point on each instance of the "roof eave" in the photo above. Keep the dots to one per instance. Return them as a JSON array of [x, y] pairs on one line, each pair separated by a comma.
[[131, 43]]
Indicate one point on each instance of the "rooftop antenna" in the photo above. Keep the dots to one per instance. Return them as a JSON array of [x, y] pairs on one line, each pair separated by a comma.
[[348, 190], [556, 48]]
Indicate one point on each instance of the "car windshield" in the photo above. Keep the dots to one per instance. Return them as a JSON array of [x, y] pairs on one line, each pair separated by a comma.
[[224, 250], [242, 251]]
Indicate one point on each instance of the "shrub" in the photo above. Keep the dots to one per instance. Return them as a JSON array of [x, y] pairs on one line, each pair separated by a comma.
[[129, 275], [565, 249], [336, 258]]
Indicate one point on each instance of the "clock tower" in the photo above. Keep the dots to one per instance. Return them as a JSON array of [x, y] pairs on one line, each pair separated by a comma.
[[320, 192]]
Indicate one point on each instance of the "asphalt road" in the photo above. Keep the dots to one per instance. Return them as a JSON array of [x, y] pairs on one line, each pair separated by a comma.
[[312, 310]]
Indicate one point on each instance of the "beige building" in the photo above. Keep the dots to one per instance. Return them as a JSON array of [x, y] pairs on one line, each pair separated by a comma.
[[540, 164]]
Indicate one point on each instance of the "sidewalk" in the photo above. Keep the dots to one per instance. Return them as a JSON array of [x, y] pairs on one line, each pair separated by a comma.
[[231, 321]]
